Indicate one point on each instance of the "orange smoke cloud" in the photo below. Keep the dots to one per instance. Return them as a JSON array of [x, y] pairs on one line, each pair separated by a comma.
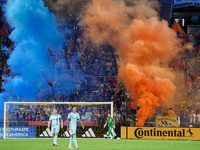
[[145, 47]]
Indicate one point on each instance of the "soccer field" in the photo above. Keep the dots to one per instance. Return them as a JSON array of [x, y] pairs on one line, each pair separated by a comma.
[[98, 144]]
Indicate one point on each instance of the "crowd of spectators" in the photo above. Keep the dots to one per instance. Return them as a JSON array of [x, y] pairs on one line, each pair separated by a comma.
[[190, 111]]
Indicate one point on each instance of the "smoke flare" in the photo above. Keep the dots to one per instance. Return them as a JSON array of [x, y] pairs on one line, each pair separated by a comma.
[[35, 29], [145, 46]]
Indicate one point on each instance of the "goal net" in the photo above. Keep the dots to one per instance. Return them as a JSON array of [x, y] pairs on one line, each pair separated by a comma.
[[30, 119]]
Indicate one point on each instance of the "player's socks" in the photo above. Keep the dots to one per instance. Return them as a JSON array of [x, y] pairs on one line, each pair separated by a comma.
[[108, 134], [75, 142], [55, 139], [111, 134], [70, 141]]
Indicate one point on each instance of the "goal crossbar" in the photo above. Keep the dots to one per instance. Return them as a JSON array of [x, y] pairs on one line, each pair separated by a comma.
[[55, 103]]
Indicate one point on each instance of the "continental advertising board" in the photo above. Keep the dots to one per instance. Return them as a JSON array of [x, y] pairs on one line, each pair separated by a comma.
[[160, 133]]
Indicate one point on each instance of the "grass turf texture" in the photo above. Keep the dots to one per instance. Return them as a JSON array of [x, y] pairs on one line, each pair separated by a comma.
[[98, 144]]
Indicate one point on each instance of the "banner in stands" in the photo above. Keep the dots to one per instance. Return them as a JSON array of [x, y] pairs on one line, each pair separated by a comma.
[[186, 3], [88, 132], [19, 132], [167, 121], [160, 133]]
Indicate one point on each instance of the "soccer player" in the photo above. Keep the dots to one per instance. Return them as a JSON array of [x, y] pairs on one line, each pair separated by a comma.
[[111, 124], [54, 120], [73, 117]]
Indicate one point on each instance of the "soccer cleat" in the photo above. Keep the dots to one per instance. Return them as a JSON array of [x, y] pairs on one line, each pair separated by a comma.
[[70, 148], [77, 147], [53, 144]]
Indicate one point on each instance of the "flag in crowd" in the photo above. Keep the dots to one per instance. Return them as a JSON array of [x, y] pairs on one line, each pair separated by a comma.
[[180, 32], [81, 38], [50, 51], [48, 80], [180, 64], [3, 31]]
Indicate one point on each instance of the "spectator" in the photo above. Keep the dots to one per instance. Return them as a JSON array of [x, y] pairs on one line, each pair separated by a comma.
[[192, 117], [21, 116], [194, 19], [101, 119], [123, 109], [185, 108], [45, 116], [83, 117], [89, 115], [32, 113], [183, 116], [38, 116], [198, 115], [170, 112], [180, 21], [27, 116], [15, 116]]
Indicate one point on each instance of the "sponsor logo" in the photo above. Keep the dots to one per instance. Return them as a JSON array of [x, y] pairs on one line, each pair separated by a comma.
[[46, 133], [18, 132], [155, 132], [191, 133], [89, 133]]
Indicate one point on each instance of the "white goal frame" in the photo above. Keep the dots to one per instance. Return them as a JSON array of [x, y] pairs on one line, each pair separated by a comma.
[[53, 103]]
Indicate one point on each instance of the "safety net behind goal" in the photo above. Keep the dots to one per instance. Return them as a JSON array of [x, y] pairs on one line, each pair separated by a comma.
[[30, 119]]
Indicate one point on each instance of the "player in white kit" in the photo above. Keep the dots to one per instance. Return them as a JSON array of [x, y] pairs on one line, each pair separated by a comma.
[[73, 118], [54, 120]]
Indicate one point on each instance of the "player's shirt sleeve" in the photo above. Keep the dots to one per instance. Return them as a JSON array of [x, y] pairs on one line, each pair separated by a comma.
[[69, 116], [50, 119]]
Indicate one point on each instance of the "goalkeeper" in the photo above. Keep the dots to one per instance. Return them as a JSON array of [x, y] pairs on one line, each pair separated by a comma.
[[111, 124]]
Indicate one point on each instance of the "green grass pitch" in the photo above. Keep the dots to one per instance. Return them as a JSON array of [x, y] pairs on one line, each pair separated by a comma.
[[99, 144]]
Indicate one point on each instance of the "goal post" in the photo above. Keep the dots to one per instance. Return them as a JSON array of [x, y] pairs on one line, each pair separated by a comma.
[[26, 120]]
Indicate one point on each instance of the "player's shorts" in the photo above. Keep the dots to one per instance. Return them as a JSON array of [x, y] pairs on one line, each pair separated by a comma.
[[72, 131], [55, 129], [110, 128]]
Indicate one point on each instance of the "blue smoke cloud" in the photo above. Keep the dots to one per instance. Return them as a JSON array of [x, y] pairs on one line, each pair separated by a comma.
[[35, 29]]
